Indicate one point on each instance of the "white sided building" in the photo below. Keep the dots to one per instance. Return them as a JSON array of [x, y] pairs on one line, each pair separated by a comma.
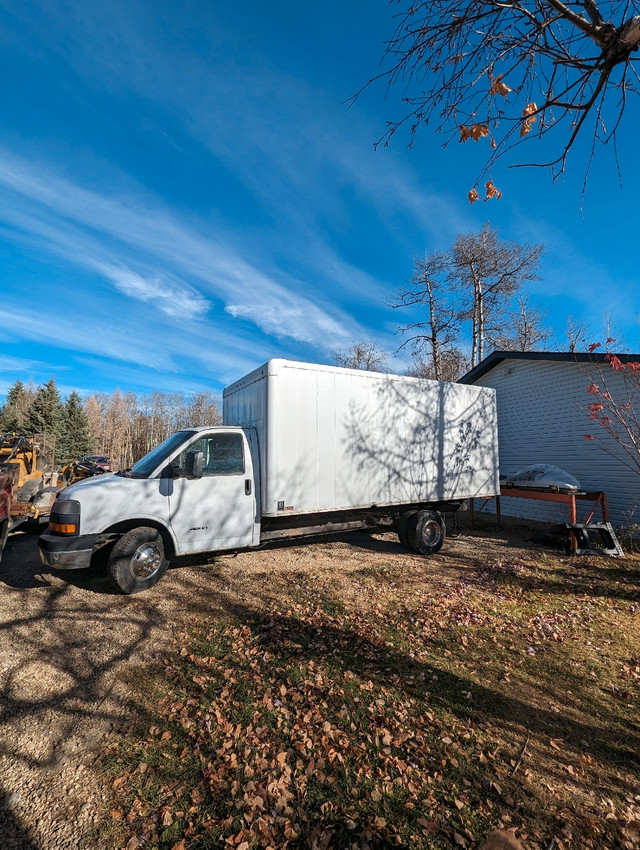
[[542, 403]]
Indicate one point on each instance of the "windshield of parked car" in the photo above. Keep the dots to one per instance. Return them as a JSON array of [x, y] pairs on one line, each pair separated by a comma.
[[149, 463]]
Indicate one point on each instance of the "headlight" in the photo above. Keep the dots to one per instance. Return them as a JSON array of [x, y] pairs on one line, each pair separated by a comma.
[[65, 517]]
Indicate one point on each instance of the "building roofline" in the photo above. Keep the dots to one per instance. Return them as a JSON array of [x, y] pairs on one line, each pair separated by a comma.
[[496, 357]]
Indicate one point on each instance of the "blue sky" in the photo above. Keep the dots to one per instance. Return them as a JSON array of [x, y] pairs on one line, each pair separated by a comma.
[[184, 194]]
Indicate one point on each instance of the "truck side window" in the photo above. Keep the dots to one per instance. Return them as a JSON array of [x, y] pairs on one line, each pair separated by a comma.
[[223, 454]]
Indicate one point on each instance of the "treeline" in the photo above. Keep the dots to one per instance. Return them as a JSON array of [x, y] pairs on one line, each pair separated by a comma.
[[121, 426]]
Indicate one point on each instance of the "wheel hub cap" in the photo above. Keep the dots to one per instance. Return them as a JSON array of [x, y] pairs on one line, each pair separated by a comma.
[[146, 561]]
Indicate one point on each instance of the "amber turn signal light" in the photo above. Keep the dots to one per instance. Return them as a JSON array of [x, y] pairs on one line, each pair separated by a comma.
[[63, 528]]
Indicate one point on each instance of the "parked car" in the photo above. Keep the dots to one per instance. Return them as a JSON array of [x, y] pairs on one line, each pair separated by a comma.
[[98, 460]]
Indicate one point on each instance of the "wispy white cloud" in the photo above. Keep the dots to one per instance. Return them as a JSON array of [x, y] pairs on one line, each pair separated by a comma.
[[129, 376], [290, 320], [114, 236], [165, 292], [22, 364], [292, 145], [303, 163], [99, 335]]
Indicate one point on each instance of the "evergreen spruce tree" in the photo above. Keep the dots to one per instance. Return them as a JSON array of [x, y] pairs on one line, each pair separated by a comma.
[[14, 413], [47, 414], [77, 440]]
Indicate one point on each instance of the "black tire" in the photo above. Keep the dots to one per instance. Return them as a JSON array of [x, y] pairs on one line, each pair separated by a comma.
[[28, 490], [426, 532], [402, 526], [137, 560]]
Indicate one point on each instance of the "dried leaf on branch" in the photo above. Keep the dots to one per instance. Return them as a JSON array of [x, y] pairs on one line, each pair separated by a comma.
[[452, 59]]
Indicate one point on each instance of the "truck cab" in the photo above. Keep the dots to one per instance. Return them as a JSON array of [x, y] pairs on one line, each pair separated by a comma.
[[195, 492]]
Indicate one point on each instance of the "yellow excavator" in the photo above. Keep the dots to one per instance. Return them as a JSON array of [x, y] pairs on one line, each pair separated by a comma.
[[28, 464]]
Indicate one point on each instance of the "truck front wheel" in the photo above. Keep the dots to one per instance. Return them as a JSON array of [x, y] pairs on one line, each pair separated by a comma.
[[426, 532], [137, 560]]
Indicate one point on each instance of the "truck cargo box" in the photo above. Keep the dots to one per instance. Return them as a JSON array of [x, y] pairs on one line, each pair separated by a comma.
[[332, 438]]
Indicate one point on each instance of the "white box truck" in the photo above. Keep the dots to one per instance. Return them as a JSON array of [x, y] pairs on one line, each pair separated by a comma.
[[304, 450]]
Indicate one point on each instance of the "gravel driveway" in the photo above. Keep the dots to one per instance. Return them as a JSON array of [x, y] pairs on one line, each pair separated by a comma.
[[66, 638]]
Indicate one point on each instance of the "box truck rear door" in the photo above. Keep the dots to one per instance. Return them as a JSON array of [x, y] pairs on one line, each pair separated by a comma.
[[216, 511]]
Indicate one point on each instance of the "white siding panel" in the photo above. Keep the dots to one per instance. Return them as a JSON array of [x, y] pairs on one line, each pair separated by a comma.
[[542, 417]]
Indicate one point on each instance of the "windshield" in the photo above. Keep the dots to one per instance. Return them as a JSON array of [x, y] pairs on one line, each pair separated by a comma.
[[150, 462]]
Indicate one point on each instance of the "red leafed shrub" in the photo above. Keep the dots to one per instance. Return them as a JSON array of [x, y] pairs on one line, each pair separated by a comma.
[[617, 409]]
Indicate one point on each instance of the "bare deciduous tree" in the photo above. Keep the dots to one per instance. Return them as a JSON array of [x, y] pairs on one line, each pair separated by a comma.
[[201, 409], [490, 272], [510, 70], [125, 426], [472, 283], [527, 330], [93, 412], [438, 330], [364, 354], [578, 334], [453, 364]]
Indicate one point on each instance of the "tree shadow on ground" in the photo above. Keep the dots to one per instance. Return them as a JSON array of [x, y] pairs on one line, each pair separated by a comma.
[[421, 680], [14, 834], [63, 644]]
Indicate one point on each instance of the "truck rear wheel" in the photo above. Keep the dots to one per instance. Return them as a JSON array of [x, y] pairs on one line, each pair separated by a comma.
[[137, 560], [402, 525], [426, 532]]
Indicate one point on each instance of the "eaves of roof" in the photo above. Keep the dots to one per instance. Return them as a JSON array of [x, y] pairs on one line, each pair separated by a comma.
[[496, 357]]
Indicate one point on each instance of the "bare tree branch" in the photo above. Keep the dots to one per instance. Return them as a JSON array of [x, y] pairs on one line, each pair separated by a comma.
[[493, 71], [365, 354]]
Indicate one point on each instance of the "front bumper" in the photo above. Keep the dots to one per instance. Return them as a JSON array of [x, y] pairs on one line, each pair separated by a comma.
[[66, 553]]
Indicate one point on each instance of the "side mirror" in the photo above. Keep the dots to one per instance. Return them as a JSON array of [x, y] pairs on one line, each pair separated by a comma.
[[194, 464]]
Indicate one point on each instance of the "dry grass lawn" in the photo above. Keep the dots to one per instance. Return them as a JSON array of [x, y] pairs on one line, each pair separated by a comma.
[[346, 693]]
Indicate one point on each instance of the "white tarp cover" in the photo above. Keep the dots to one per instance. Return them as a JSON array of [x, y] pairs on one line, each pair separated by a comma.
[[542, 475]]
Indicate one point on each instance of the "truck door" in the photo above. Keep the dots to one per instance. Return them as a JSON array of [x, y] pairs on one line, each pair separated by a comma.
[[217, 511]]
